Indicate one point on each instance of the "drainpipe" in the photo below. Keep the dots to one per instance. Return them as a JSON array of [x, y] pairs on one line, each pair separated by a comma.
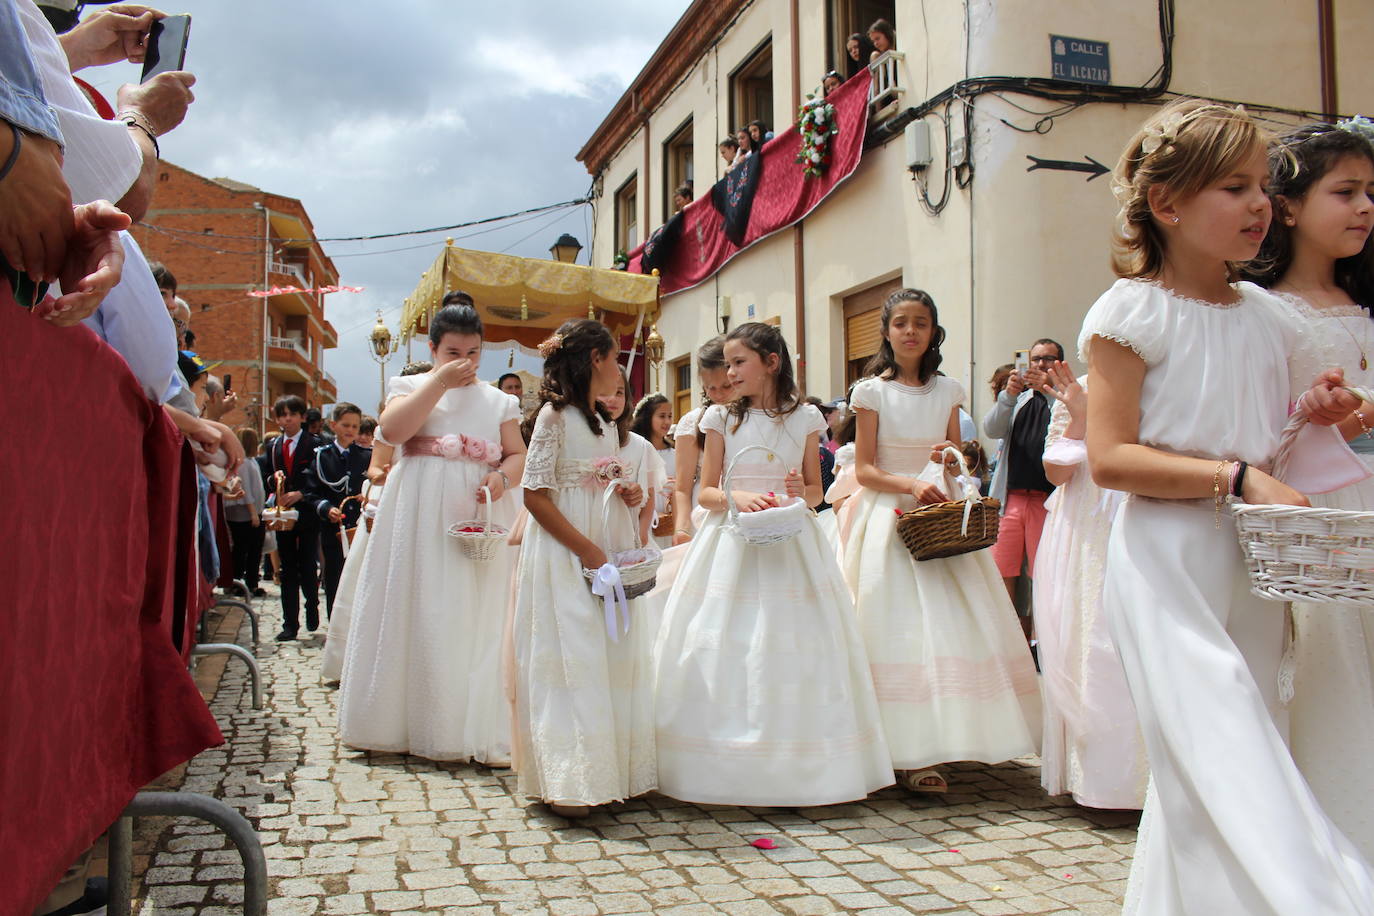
[[798, 240], [264, 407], [1326, 46]]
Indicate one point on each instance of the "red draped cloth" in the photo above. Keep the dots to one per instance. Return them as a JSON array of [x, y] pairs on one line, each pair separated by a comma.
[[784, 196], [95, 700]]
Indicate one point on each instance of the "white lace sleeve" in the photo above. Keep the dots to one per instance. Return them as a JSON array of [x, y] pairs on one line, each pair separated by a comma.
[[1308, 357], [1132, 313], [546, 442]]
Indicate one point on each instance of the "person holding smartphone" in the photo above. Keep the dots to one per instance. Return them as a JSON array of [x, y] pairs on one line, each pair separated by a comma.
[[1021, 419]]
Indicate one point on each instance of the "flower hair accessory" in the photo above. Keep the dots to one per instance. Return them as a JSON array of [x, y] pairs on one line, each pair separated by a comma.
[[1358, 125], [1165, 131], [551, 346]]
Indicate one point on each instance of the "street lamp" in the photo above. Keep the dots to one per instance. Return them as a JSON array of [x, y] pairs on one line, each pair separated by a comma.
[[653, 352], [566, 249], [382, 346]]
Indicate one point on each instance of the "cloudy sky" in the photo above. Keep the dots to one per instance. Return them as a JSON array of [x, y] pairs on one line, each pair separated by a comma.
[[413, 113]]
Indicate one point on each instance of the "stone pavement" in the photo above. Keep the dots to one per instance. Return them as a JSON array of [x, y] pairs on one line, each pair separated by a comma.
[[353, 833]]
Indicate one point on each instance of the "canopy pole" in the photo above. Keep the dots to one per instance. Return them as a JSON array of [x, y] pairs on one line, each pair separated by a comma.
[[639, 326]]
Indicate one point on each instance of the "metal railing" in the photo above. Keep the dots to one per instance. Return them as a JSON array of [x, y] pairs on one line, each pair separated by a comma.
[[886, 85], [290, 343], [295, 270], [329, 378]]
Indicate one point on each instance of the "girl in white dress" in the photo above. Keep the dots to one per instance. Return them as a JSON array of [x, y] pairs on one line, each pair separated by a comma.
[[763, 693], [383, 453], [954, 677], [653, 422], [646, 467], [1189, 381], [421, 670], [1319, 258], [584, 707], [1091, 747], [688, 440]]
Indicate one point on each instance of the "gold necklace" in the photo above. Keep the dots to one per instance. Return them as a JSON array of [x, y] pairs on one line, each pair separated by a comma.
[[1364, 359]]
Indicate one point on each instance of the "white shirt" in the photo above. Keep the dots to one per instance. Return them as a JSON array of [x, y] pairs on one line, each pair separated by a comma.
[[101, 160]]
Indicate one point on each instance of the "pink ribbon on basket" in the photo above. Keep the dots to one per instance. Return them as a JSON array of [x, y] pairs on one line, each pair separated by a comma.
[[607, 586]]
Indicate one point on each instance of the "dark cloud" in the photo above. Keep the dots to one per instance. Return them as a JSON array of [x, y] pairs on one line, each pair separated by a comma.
[[414, 113]]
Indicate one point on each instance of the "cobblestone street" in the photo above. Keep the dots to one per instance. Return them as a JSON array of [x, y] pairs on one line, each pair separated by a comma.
[[352, 833]]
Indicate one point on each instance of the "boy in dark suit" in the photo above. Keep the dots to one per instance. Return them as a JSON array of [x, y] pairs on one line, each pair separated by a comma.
[[290, 455], [336, 473]]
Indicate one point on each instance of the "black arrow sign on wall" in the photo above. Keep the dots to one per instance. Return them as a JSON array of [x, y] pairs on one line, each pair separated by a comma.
[[1092, 166]]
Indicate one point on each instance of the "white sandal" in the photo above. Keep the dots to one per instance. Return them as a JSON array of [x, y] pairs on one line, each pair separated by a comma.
[[914, 780]]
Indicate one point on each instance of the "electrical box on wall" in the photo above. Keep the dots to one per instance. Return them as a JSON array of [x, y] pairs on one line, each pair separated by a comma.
[[917, 135], [958, 151]]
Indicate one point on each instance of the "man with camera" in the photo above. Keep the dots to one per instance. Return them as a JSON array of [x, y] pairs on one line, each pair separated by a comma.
[[1021, 419]]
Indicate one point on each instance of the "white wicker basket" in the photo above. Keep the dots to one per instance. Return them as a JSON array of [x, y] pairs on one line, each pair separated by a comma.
[[1304, 554], [639, 565], [767, 526], [483, 537]]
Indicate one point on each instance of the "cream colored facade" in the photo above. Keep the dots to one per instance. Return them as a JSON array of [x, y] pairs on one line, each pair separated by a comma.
[[1015, 255]]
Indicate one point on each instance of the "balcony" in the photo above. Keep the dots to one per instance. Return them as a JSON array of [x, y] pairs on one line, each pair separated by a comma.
[[328, 386], [294, 271], [290, 343], [886, 86], [331, 336]]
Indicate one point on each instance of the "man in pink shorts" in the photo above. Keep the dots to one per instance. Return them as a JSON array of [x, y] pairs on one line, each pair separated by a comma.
[[1021, 418]]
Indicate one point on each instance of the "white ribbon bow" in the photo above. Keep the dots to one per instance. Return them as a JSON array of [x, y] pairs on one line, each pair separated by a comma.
[[972, 492], [607, 586]]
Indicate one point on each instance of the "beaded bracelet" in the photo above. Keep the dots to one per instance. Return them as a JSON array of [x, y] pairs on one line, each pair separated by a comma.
[[1359, 417], [133, 120], [14, 152], [1216, 492]]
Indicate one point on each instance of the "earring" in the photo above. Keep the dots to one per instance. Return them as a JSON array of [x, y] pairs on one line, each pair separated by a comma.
[[1175, 220]]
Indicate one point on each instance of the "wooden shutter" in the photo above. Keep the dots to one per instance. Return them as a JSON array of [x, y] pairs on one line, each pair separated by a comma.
[[862, 334]]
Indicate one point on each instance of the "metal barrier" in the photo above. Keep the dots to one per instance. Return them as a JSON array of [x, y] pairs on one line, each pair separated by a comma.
[[229, 648], [185, 804]]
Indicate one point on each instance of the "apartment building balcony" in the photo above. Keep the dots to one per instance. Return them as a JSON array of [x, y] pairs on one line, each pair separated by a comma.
[[328, 387], [289, 360], [331, 336], [886, 87]]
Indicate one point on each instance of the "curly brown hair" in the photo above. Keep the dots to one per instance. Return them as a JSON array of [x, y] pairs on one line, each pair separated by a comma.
[[568, 369]]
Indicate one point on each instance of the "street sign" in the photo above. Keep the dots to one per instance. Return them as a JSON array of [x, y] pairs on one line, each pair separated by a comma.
[[1081, 60]]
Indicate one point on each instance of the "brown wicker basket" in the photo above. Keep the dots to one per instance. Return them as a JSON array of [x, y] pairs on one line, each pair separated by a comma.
[[277, 517], [938, 530], [663, 523]]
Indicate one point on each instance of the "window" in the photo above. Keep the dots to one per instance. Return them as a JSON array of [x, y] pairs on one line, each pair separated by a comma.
[[845, 17], [751, 88], [863, 327], [627, 215], [677, 164], [680, 371]]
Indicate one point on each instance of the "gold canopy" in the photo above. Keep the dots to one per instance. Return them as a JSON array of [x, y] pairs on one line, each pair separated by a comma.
[[526, 298]]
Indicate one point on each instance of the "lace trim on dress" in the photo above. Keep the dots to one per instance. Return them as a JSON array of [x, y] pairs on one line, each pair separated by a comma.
[[1311, 311], [1205, 303], [541, 461], [1125, 342]]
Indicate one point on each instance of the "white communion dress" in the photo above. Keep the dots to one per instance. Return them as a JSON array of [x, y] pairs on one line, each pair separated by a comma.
[[1332, 712], [1092, 747], [421, 670], [763, 690], [584, 706], [954, 677], [1230, 825], [663, 494], [332, 659]]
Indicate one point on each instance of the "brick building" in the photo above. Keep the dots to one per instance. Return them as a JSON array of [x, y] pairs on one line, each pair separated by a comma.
[[223, 239]]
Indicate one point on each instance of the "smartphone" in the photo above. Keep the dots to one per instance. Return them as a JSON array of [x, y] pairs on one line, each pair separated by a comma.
[[228, 384], [166, 46], [1021, 361]]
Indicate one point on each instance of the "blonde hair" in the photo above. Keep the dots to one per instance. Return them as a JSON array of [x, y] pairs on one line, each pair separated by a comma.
[[1185, 146]]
